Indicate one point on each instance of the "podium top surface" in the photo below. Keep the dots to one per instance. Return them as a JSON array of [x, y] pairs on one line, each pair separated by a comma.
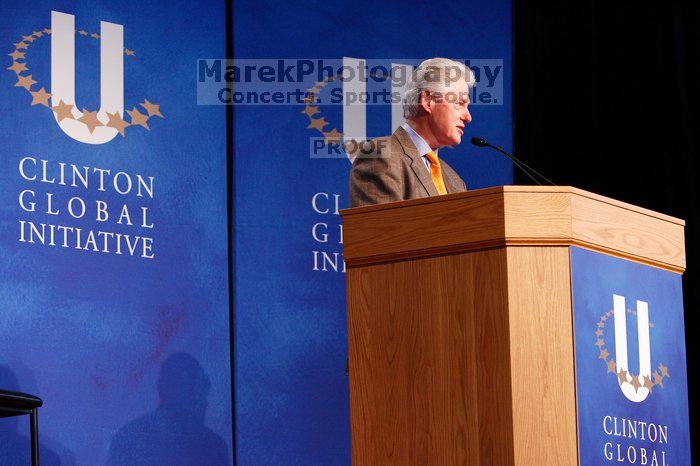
[[512, 216]]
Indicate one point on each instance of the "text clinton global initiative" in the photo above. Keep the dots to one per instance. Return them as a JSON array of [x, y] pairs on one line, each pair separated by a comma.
[[53, 214]]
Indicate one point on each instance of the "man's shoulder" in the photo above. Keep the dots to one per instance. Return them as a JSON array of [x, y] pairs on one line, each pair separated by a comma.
[[380, 172], [384, 147]]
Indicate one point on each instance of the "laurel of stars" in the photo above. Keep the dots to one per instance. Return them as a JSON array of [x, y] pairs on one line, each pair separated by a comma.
[[64, 110], [332, 136], [115, 120], [19, 64], [623, 375]]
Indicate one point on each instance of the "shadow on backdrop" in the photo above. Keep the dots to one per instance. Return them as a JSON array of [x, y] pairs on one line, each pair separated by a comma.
[[174, 433], [15, 447]]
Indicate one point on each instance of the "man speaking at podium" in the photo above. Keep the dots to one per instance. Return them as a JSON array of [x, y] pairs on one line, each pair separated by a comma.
[[406, 165]]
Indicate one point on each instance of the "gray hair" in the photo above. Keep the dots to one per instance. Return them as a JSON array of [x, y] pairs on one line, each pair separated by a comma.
[[434, 75]]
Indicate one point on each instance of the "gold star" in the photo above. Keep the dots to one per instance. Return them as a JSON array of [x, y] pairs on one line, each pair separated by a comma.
[[318, 124], [138, 118], [63, 111], [90, 120], [40, 97], [83, 32], [29, 39], [601, 325], [611, 366], [598, 333], [664, 370], [37, 33], [333, 136], [16, 54], [599, 343], [609, 313], [152, 109], [622, 376], [20, 45], [129, 52], [95, 35], [658, 380], [310, 111], [310, 98], [604, 318], [648, 383], [116, 122], [47, 31], [18, 67], [635, 382], [25, 82], [603, 354], [320, 84]]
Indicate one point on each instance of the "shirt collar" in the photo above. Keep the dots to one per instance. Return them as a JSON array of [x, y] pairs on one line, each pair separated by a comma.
[[422, 146]]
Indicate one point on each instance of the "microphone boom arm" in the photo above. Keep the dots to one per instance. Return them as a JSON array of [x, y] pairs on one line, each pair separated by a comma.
[[519, 163]]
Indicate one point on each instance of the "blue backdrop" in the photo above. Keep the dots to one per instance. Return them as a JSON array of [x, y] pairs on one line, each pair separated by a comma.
[[130, 353], [291, 400]]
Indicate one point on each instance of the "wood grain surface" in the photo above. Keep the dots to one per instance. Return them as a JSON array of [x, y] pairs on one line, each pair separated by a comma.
[[429, 362], [463, 359], [542, 356], [512, 216]]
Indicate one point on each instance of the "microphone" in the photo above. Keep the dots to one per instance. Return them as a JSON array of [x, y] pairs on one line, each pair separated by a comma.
[[479, 142]]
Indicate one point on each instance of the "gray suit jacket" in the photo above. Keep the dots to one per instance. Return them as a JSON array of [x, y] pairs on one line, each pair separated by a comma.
[[391, 169]]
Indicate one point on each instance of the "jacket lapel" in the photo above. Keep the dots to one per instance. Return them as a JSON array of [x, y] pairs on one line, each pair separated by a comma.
[[417, 164], [451, 184]]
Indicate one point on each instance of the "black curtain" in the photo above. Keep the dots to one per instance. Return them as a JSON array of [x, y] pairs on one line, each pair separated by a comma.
[[606, 100]]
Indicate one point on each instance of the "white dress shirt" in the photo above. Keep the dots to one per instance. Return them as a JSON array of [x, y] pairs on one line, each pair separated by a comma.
[[422, 146]]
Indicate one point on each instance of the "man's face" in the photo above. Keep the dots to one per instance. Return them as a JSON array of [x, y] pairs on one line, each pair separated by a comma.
[[449, 114]]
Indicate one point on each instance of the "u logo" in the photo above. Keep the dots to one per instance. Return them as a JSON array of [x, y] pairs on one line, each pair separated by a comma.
[[355, 114], [634, 390], [63, 77]]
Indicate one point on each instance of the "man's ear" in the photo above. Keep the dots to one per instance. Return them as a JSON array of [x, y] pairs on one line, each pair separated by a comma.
[[426, 101]]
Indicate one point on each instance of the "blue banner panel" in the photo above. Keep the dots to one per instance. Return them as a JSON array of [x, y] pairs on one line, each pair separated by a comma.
[[630, 363], [114, 297], [291, 178]]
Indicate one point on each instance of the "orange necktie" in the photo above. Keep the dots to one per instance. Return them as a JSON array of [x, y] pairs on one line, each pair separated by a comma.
[[436, 172]]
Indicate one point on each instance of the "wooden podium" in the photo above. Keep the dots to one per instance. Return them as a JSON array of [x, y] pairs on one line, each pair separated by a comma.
[[460, 320]]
